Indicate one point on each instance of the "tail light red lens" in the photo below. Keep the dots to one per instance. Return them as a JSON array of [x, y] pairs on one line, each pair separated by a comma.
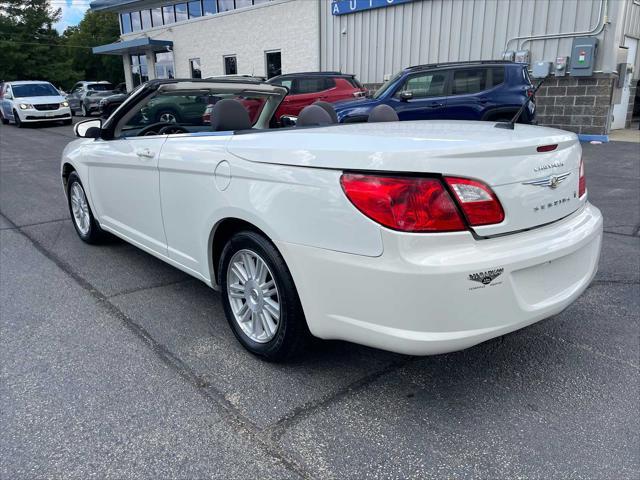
[[409, 204], [582, 182], [478, 202]]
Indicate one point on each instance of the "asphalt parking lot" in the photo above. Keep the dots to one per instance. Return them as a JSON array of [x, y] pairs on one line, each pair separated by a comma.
[[116, 365]]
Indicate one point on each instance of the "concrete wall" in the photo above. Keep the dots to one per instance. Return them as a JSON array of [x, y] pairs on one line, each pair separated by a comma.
[[291, 26], [375, 43]]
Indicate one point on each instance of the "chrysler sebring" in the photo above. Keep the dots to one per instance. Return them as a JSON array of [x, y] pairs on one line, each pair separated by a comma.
[[419, 237]]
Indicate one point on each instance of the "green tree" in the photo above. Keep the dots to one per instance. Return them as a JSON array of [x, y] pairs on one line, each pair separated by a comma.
[[30, 45], [96, 28], [32, 49]]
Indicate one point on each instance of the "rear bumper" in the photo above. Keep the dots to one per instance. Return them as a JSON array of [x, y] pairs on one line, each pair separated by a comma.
[[417, 298]]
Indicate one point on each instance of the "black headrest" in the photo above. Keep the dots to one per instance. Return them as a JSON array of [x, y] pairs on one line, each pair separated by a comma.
[[329, 109], [383, 113], [229, 114], [313, 115]]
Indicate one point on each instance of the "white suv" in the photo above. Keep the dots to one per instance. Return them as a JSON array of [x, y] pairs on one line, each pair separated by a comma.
[[32, 101]]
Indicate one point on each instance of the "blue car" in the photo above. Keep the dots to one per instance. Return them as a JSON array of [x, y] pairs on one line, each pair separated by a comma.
[[485, 90]]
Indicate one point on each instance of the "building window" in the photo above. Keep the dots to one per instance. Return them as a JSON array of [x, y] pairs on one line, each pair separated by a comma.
[[164, 65], [168, 14], [125, 20], [274, 64], [136, 23], [156, 17], [195, 9], [181, 12], [225, 5], [230, 65], [146, 19], [139, 71], [210, 7], [194, 65]]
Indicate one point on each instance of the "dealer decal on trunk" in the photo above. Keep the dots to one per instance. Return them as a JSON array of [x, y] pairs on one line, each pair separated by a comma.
[[486, 278]]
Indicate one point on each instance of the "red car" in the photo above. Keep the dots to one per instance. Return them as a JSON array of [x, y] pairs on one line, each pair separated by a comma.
[[307, 88]]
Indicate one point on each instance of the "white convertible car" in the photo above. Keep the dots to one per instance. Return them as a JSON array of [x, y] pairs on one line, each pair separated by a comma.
[[417, 237]]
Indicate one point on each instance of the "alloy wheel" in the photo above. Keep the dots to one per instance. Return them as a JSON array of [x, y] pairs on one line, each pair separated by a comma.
[[253, 296], [168, 117], [80, 209]]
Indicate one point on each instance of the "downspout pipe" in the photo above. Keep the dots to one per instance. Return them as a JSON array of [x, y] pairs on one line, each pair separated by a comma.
[[595, 30]]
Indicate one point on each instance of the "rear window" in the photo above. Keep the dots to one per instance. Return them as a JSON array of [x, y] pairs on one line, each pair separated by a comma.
[[354, 83], [313, 84], [100, 87], [468, 81], [497, 76]]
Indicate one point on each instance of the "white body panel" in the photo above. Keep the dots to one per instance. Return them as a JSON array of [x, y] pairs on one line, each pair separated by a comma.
[[359, 281]]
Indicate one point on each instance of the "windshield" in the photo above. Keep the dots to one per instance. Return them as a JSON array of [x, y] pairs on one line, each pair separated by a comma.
[[34, 90], [386, 84], [100, 87]]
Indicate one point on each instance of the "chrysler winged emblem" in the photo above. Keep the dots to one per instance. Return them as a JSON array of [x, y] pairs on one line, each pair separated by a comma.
[[487, 277], [552, 181]]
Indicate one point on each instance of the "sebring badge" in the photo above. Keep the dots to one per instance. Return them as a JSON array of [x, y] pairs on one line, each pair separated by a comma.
[[552, 181]]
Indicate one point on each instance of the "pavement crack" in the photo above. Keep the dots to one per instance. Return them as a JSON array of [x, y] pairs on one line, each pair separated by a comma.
[[18, 227], [634, 234], [592, 350], [278, 429], [210, 393], [150, 287]]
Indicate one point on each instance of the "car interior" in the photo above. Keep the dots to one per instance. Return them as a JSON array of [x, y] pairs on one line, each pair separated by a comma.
[[187, 108]]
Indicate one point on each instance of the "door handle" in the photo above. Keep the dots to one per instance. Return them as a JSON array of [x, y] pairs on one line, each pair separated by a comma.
[[145, 153], [435, 105]]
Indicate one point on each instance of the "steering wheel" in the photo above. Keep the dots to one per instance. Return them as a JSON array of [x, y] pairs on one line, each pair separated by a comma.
[[152, 129], [172, 129], [161, 128]]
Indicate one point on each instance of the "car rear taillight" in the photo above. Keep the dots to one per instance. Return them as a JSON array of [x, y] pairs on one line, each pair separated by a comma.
[[409, 204], [582, 180], [478, 202], [359, 94]]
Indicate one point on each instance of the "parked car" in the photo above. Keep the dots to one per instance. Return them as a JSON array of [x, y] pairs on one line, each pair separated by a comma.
[[309, 87], [85, 96], [486, 90], [107, 105], [32, 101], [417, 237]]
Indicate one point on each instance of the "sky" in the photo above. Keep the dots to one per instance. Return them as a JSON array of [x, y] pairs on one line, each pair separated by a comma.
[[72, 12]]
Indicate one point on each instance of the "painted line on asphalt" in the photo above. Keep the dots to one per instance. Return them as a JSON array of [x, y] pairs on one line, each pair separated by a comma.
[[233, 415]]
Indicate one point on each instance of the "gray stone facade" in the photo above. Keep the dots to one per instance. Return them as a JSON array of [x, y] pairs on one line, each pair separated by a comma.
[[577, 104]]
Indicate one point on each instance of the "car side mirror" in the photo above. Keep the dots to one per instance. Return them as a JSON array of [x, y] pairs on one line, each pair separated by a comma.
[[288, 121], [406, 95], [88, 128]]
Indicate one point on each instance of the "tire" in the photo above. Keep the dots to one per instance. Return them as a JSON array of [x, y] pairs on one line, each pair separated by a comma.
[[88, 229], [167, 116], [283, 337], [16, 120]]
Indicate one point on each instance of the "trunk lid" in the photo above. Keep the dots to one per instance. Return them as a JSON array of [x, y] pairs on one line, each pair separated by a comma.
[[507, 160]]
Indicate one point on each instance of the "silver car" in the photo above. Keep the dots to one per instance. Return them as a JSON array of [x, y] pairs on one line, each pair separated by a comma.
[[85, 96]]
